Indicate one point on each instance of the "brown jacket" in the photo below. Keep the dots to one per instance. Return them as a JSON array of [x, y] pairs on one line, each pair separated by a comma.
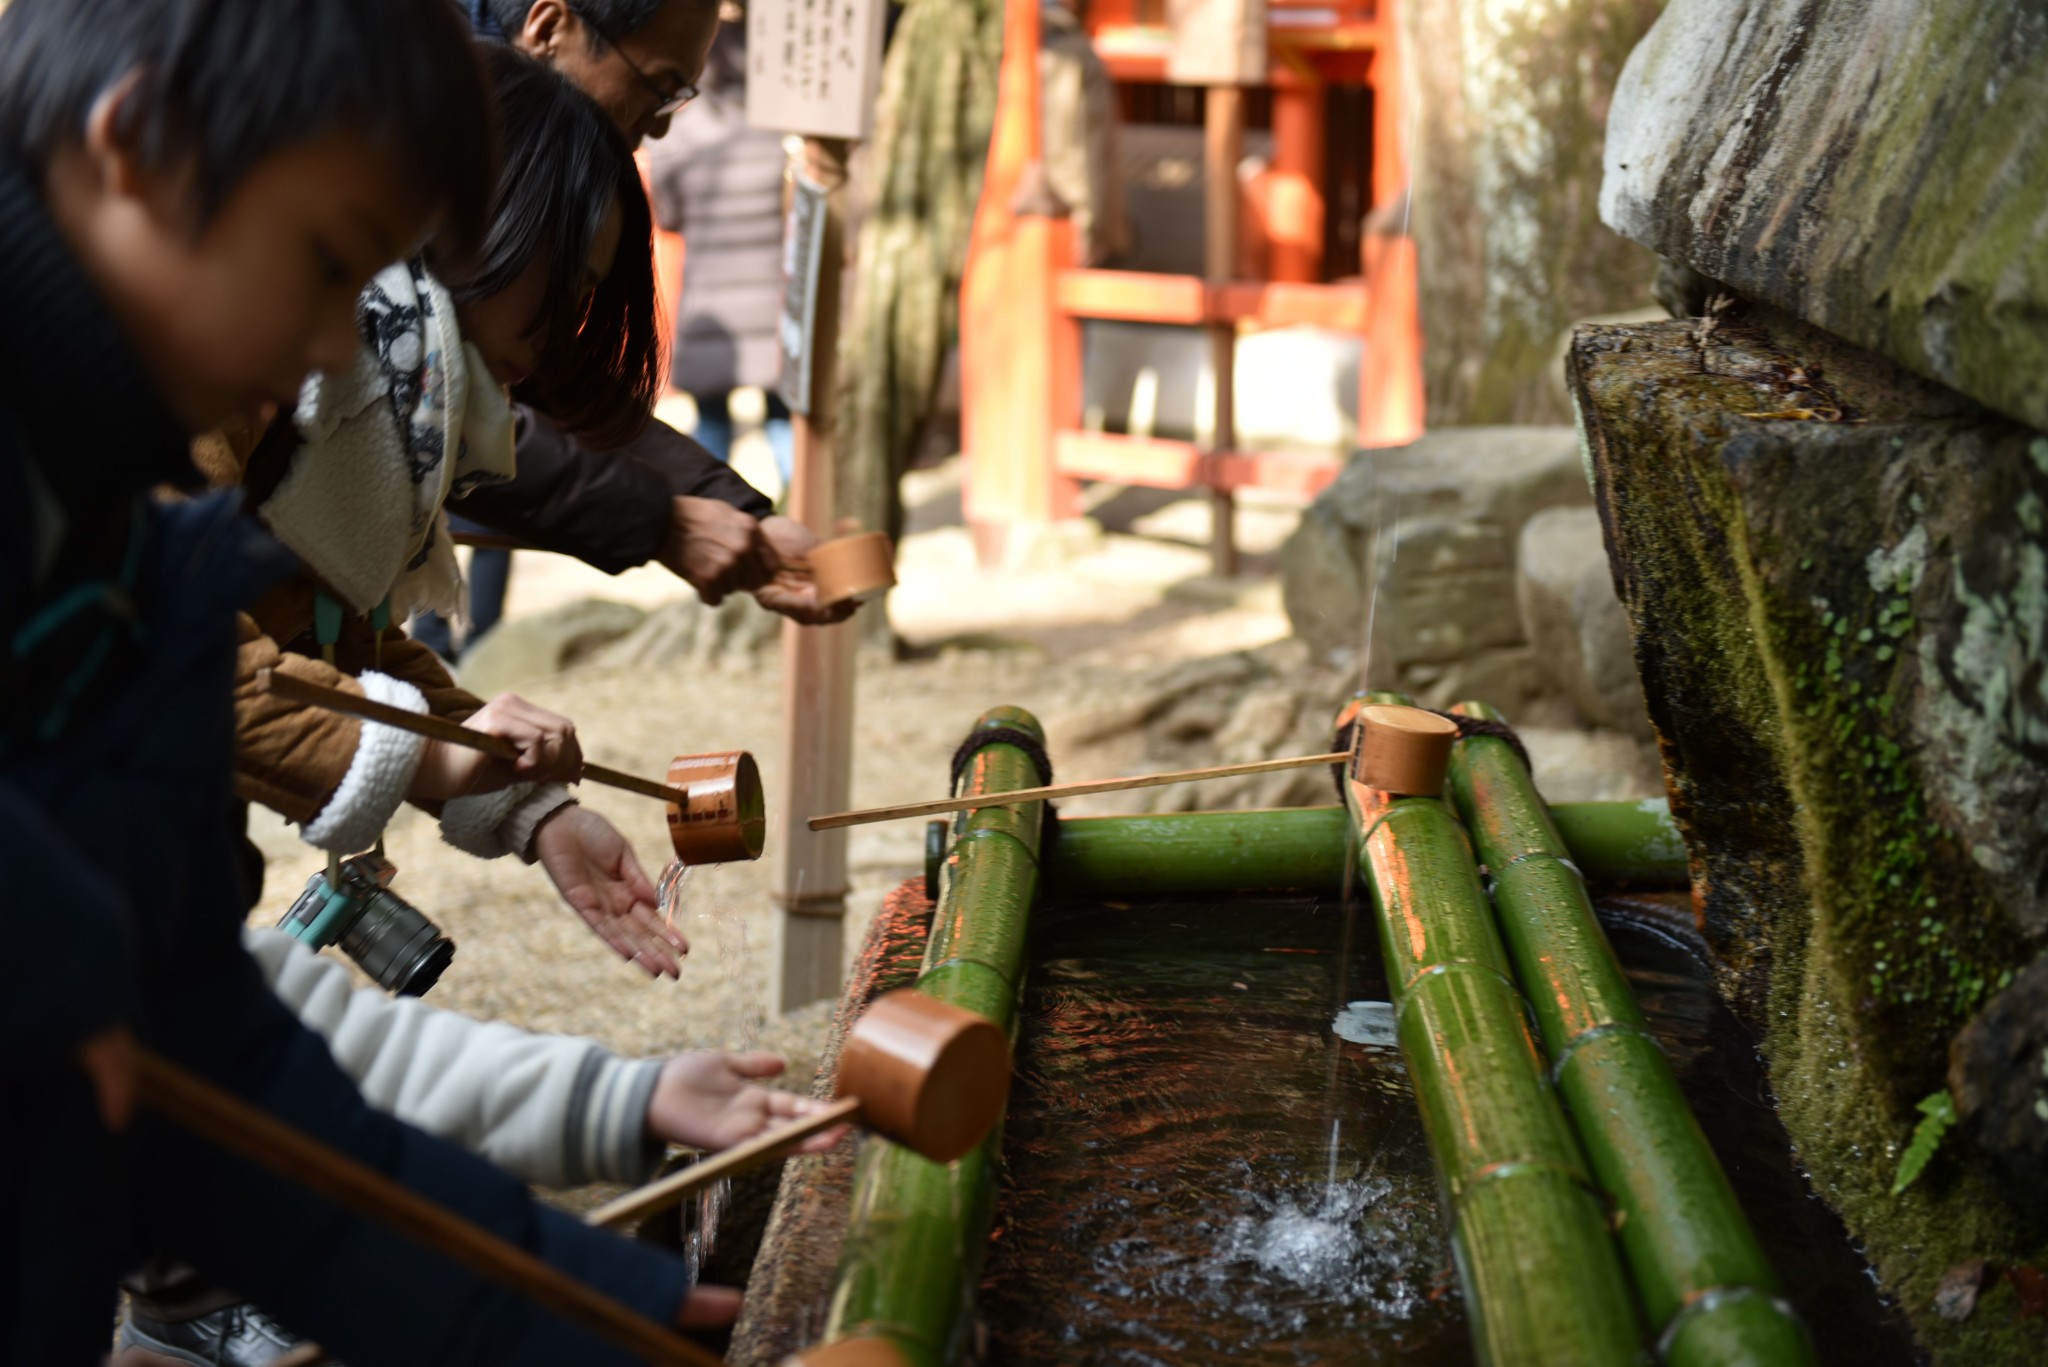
[[288, 756]]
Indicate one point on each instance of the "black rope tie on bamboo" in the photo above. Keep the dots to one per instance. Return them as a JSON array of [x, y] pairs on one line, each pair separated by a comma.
[[1468, 727], [983, 737]]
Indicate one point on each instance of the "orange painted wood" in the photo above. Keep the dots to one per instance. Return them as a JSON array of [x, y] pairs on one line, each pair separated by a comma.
[[1391, 116], [1390, 396], [1012, 360], [1294, 210], [1160, 464], [1139, 297]]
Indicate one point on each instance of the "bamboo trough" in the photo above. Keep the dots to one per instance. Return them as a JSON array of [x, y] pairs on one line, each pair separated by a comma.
[[1527, 1188]]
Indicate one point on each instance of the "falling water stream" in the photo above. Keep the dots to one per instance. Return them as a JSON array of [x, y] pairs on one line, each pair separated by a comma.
[[705, 914], [1208, 1161]]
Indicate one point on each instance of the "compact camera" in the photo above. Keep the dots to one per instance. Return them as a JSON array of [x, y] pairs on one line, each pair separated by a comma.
[[389, 938]]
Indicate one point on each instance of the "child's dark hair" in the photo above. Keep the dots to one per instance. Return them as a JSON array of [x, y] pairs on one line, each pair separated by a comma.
[[564, 167], [226, 83]]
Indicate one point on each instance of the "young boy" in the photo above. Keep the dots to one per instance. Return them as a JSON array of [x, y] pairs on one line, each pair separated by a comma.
[[192, 193]]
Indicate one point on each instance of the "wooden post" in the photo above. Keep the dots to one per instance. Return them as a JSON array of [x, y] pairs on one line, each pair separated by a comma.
[[1019, 371], [1295, 219], [817, 683], [1390, 389], [1223, 149]]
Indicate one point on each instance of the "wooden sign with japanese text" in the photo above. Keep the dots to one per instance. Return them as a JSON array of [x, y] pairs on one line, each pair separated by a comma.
[[814, 66], [1216, 42]]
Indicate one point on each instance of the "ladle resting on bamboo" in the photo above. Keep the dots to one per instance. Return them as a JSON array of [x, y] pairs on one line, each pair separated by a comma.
[[939, 806]]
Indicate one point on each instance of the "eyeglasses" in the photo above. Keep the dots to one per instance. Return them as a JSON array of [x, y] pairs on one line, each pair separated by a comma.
[[668, 99]]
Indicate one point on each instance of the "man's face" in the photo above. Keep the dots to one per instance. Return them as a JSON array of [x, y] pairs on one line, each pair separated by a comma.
[[231, 317], [632, 77]]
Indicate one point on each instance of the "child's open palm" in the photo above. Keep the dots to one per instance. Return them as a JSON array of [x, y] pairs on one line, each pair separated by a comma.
[[594, 869], [711, 1100]]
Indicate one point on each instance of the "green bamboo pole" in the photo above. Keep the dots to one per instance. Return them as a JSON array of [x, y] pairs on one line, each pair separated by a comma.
[[1624, 842], [1542, 1281], [1301, 849], [913, 1251], [1710, 1292]]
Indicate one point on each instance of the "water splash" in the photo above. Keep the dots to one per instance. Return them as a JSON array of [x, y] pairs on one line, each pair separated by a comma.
[[1347, 1244], [668, 893]]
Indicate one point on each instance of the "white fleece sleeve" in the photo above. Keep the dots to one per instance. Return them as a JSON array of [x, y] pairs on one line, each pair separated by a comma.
[[377, 779], [553, 1109], [489, 825]]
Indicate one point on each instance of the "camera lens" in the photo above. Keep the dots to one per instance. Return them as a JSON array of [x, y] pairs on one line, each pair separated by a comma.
[[396, 944]]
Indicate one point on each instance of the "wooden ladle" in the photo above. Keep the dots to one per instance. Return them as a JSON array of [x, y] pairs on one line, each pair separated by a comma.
[[929, 1075], [716, 811]]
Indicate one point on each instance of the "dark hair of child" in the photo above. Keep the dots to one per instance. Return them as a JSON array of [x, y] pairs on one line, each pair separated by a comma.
[[223, 84], [563, 169]]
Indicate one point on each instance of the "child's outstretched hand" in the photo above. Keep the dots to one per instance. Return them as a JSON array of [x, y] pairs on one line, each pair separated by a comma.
[[594, 869], [707, 1099]]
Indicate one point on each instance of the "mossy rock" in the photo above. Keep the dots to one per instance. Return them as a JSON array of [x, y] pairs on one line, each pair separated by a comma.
[[1835, 576], [1872, 168]]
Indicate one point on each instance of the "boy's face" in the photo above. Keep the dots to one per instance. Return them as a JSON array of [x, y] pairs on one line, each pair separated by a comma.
[[231, 317]]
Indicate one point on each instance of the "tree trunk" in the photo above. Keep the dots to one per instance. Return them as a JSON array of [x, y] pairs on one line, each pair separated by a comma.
[[923, 178], [1509, 117]]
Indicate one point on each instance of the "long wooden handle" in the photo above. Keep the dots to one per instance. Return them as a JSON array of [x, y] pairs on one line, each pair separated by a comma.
[[1106, 785], [440, 728], [660, 1195], [262, 1138]]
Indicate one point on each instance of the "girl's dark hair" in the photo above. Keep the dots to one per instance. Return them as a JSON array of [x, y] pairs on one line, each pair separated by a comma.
[[563, 169], [227, 83]]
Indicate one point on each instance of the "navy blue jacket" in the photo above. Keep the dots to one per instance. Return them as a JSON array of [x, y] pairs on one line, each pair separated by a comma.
[[121, 900]]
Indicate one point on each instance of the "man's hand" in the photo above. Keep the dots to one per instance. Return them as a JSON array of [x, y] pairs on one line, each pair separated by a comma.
[[109, 1060], [548, 753], [793, 592], [717, 549], [594, 869], [709, 1100]]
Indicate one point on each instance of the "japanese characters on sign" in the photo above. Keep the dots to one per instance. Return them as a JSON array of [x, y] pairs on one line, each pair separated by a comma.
[[813, 66]]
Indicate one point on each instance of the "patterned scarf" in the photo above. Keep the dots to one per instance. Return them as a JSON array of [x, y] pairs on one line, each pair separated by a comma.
[[417, 420]]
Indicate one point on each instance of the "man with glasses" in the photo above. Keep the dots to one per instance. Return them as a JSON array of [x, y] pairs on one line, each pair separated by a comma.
[[662, 497]]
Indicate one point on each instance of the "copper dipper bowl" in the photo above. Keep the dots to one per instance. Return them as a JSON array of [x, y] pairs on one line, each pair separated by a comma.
[[929, 1075], [853, 567], [726, 818], [1404, 750]]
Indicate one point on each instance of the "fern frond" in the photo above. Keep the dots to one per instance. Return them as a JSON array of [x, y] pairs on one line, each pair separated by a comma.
[[1939, 1113]]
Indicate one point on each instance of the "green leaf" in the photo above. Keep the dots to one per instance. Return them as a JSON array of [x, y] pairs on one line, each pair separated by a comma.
[[1940, 1113]]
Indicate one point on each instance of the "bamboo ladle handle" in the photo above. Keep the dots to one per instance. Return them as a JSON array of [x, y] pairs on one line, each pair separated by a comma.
[[440, 728], [762, 1148], [1106, 785], [262, 1138]]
